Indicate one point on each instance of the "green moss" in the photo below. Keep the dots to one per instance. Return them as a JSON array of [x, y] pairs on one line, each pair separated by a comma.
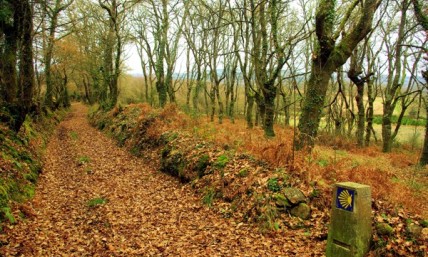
[[6, 213], [18, 185], [384, 229], [323, 163], [281, 201], [32, 177], [73, 135], [96, 202], [273, 185], [243, 173], [28, 192], [202, 164], [221, 162], [168, 137], [83, 159], [209, 196]]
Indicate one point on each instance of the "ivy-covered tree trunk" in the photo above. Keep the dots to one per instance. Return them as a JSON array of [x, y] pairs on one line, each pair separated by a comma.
[[370, 112], [48, 62], [313, 105], [162, 37], [327, 57], [269, 100], [26, 65], [16, 68], [8, 64]]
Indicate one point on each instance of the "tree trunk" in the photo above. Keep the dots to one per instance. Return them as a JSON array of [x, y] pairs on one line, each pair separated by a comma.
[[162, 92], [196, 92], [386, 127], [249, 111], [370, 112], [354, 75], [189, 82], [313, 106], [361, 115], [424, 156], [394, 86], [170, 87], [269, 93], [269, 117], [327, 57], [212, 101], [26, 67], [8, 65], [220, 105], [48, 56]]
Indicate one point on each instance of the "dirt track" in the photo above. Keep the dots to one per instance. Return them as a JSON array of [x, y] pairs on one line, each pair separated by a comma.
[[147, 213]]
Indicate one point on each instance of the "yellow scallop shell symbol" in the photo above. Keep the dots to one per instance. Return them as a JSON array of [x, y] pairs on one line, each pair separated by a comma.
[[345, 199]]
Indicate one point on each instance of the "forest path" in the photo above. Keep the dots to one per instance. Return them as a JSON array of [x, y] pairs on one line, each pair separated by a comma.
[[147, 213]]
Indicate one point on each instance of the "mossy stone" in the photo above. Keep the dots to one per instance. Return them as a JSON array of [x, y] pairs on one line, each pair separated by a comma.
[[350, 229], [384, 229], [302, 211], [414, 230], [281, 201], [294, 195]]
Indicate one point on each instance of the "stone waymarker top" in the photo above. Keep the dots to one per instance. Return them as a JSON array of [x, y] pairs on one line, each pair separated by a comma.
[[350, 227]]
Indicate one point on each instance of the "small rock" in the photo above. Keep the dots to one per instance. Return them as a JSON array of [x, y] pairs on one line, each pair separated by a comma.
[[281, 201], [414, 230], [384, 229], [294, 195], [302, 211]]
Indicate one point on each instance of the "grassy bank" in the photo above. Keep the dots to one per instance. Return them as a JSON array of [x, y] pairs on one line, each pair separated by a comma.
[[21, 161]]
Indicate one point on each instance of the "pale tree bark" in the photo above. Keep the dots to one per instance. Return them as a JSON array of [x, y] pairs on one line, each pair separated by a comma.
[[246, 67], [159, 27], [270, 52], [371, 94], [422, 17], [355, 74], [195, 34], [172, 50], [53, 13], [114, 40], [424, 155], [395, 78]]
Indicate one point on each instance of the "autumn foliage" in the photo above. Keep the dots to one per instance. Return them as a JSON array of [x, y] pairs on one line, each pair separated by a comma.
[[230, 167]]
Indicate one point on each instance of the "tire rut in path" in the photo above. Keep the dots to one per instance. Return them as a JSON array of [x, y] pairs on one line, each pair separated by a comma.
[[147, 213]]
